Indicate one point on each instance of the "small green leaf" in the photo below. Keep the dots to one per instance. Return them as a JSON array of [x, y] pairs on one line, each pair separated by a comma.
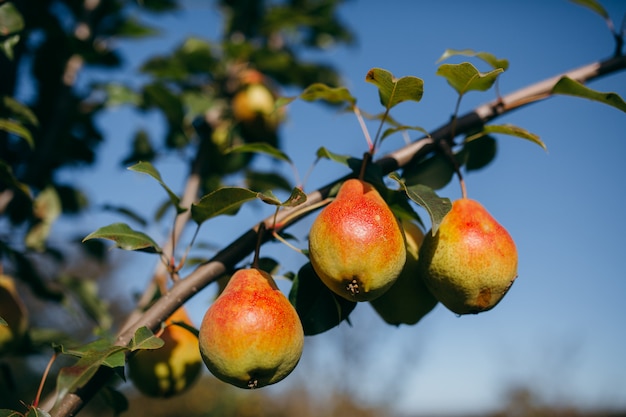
[[391, 90], [570, 87], [227, 200], [396, 129], [119, 95], [508, 129], [465, 77], [334, 95], [3, 322], [144, 339], [36, 412], [18, 130], [296, 198], [325, 153], [8, 179], [132, 28], [435, 172], [19, 111], [594, 6], [148, 168], [318, 307], [125, 238], [490, 59], [11, 20], [8, 44], [262, 148], [437, 207]]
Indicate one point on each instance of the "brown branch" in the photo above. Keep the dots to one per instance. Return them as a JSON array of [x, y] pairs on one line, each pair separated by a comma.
[[234, 253]]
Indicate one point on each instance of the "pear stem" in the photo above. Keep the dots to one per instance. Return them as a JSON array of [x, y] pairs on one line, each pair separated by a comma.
[[43, 379]]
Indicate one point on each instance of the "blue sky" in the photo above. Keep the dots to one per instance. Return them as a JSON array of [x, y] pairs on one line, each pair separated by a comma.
[[560, 330]]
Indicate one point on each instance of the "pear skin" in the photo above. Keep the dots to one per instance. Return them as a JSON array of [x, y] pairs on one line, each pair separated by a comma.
[[356, 245], [471, 263], [251, 336], [171, 369], [408, 300]]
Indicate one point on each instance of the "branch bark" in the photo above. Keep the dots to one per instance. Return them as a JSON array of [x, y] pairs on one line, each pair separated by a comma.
[[234, 253]]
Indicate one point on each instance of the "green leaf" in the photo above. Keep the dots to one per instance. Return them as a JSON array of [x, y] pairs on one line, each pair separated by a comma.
[[19, 111], [478, 153], [317, 306], [144, 339], [227, 200], [149, 169], [47, 208], [119, 95], [391, 90], [437, 207], [334, 95], [296, 198], [490, 59], [3, 322], [10, 413], [36, 412], [262, 148], [132, 28], [86, 293], [570, 87], [594, 6], [403, 128], [257, 180], [465, 77], [8, 179], [325, 153], [8, 44], [435, 172], [11, 20], [18, 130], [507, 129], [125, 211], [125, 238]]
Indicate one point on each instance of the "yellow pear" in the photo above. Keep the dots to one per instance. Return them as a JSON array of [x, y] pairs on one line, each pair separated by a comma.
[[13, 311], [172, 368], [471, 262], [251, 336], [408, 299], [356, 245]]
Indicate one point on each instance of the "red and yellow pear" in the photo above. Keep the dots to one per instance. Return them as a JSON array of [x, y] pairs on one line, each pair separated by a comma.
[[471, 262], [173, 367], [356, 245], [251, 336], [408, 299]]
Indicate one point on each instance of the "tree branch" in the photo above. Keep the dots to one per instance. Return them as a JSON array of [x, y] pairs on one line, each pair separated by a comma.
[[234, 253]]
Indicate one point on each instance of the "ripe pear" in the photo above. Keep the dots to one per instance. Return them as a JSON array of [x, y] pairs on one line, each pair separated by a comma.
[[356, 245], [13, 311], [251, 336], [172, 368], [408, 299], [471, 262]]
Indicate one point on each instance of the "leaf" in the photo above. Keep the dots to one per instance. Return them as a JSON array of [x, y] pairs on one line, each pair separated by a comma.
[[125, 211], [325, 153], [3, 322], [490, 59], [19, 111], [296, 198], [11, 20], [257, 180], [8, 179], [225, 200], [317, 306], [507, 129], [18, 130], [570, 87], [125, 238], [10, 413], [7, 45], [391, 90], [46, 208], [435, 172], [465, 77], [334, 95], [594, 6], [478, 153], [403, 128], [86, 293], [36, 412], [260, 147], [144, 339], [437, 207], [148, 168], [119, 94], [132, 28]]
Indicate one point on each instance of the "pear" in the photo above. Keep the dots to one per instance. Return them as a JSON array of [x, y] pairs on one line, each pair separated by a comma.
[[471, 262], [356, 245], [408, 299], [172, 368], [251, 336], [14, 313]]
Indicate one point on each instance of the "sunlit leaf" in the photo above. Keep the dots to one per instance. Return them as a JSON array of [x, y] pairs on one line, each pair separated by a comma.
[[133, 28], [145, 339], [318, 307], [391, 90], [325, 153], [125, 238], [20, 111], [437, 207], [262, 148], [227, 200], [571, 87], [296, 198], [8, 44], [490, 59], [46, 208], [594, 6], [335, 95], [18, 130], [149, 169], [508, 129], [11, 20], [465, 77]]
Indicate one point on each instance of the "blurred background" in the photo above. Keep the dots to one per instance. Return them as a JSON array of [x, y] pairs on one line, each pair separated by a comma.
[[552, 347]]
